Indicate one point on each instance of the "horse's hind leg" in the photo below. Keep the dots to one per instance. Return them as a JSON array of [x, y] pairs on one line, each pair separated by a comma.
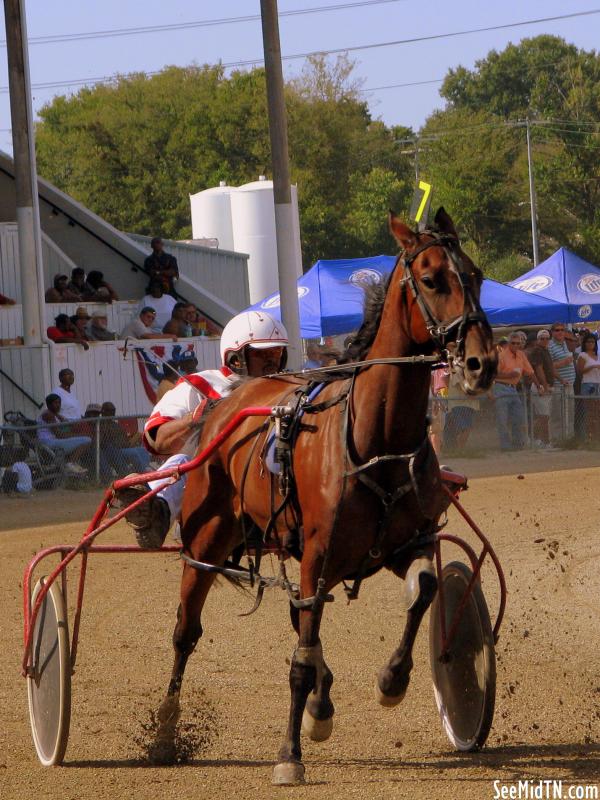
[[420, 589], [317, 720]]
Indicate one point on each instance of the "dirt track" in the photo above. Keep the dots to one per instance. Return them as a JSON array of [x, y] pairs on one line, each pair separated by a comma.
[[547, 723]]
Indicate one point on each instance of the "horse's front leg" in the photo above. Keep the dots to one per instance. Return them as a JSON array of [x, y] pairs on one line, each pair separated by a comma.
[[420, 589], [212, 545], [307, 664], [317, 720]]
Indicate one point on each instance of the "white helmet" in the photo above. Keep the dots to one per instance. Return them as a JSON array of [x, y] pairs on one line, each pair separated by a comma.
[[255, 329]]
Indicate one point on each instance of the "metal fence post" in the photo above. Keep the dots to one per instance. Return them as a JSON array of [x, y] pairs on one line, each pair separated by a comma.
[[97, 437]]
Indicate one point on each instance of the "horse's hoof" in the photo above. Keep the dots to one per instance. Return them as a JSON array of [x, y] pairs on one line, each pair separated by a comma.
[[288, 773], [319, 730], [386, 700]]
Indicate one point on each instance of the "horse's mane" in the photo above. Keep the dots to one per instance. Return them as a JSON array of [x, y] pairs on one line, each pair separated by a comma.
[[360, 344]]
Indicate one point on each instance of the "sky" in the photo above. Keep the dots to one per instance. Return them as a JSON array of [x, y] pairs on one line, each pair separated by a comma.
[[339, 28]]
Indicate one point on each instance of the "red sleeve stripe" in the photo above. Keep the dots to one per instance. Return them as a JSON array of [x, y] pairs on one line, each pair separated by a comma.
[[200, 383], [155, 421]]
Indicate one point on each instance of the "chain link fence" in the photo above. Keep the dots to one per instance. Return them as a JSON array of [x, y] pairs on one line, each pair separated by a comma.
[[95, 451], [516, 420], [84, 453]]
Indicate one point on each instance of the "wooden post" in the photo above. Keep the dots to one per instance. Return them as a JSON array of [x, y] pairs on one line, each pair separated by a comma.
[[284, 221]]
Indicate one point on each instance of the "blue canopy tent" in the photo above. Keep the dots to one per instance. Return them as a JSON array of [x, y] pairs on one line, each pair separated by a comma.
[[331, 298], [568, 279]]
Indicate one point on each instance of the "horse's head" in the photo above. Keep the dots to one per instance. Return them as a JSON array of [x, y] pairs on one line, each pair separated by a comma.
[[443, 287]]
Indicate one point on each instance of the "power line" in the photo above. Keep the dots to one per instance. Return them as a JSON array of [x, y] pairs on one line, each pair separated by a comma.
[[203, 23], [337, 50]]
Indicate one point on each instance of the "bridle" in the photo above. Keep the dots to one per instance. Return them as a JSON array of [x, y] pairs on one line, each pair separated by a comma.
[[442, 332]]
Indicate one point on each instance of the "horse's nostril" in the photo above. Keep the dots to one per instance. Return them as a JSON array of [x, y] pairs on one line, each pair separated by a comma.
[[473, 364]]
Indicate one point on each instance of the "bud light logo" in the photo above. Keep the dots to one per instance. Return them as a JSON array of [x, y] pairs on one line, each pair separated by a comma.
[[365, 275], [275, 301], [590, 283], [536, 284], [583, 312]]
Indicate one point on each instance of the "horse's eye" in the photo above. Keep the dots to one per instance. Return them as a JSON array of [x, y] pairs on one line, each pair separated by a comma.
[[428, 282]]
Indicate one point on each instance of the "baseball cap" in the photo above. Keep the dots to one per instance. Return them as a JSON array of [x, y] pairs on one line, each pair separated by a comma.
[[543, 334], [93, 407]]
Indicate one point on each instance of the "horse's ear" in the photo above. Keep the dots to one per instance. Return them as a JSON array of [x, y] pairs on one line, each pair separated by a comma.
[[443, 221], [401, 232]]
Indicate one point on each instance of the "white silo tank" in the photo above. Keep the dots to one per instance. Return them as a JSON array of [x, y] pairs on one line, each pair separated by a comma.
[[253, 217], [211, 215]]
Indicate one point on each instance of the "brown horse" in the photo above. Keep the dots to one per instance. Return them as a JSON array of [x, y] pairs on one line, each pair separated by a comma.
[[366, 487]]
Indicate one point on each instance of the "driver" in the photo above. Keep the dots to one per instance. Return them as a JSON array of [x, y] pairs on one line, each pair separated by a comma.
[[253, 344]]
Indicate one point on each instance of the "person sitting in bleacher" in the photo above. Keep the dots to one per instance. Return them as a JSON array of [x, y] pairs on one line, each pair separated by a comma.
[[60, 292], [142, 327], [63, 331], [80, 320], [97, 329], [178, 325], [161, 303], [103, 292]]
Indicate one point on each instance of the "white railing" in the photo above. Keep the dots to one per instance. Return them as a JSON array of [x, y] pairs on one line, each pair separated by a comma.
[[104, 372], [119, 314]]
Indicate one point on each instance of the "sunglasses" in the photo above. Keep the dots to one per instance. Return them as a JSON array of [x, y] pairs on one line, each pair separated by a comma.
[[558, 330]]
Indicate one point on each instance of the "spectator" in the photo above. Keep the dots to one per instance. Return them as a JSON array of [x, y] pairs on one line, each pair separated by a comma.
[[562, 411], [196, 320], [70, 405], [16, 480], [161, 303], [510, 409], [169, 379], [60, 293], [313, 356], [142, 327], [103, 292], [439, 394], [59, 439], [64, 331], [541, 361], [80, 320], [6, 301], [97, 330], [161, 265], [588, 369], [462, 409], [77, 284], [523, 337], [116, 446], [178, 324], [502, 345], [188, 363]]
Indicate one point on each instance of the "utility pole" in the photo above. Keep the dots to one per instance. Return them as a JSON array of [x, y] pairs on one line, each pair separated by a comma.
[[416, 160], [28, 219], [284, 220], [532, 198]]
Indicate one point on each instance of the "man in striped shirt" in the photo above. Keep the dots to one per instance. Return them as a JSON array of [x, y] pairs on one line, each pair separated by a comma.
[[562, 413]]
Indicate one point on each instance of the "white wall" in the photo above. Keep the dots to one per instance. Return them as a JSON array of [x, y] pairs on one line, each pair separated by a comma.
[[101, 373]]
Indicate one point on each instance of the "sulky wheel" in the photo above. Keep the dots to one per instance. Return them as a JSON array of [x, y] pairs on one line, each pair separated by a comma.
[[464, 679], [49, 681]]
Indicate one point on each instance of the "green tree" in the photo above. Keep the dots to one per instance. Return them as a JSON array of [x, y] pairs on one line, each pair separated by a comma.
[[555, 84], [135, 149]]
